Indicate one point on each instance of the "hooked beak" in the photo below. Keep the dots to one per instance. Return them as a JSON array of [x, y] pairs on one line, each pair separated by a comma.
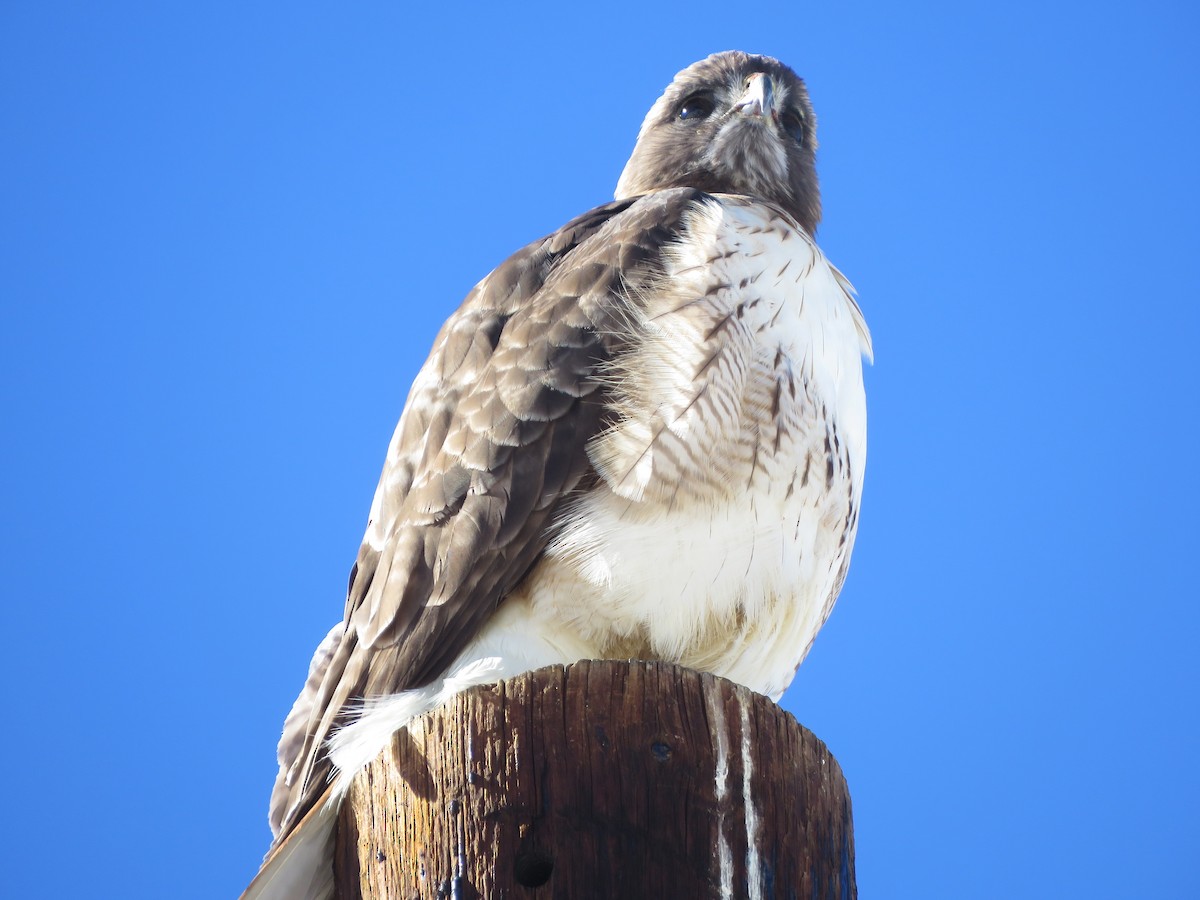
[[759, 97]]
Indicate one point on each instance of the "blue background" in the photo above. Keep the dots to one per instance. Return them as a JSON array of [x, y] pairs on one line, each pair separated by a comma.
[[229, 232]]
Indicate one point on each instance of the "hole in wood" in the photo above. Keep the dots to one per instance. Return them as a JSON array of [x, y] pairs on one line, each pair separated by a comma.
[[533, 869]]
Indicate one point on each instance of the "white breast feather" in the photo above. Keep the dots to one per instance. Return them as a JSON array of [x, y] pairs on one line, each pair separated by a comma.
[[723, 529]]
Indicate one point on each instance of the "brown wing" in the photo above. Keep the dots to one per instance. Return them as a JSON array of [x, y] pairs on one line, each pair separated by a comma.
[[492, 438]]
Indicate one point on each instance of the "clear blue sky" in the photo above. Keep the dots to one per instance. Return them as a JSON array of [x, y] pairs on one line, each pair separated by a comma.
[[229, 231]]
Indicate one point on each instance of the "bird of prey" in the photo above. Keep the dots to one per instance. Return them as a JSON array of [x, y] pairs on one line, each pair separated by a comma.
[[642, 436]]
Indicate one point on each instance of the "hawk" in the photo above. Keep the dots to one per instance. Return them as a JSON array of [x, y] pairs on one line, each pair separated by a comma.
[[642, 436]]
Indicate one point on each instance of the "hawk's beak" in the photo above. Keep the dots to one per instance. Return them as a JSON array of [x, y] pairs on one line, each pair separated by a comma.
[[759, 98]]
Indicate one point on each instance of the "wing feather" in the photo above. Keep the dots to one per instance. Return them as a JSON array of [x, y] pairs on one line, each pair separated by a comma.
[[492, 439]]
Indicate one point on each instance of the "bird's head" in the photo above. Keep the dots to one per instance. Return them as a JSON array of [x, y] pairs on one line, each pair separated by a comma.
[[732, 123]]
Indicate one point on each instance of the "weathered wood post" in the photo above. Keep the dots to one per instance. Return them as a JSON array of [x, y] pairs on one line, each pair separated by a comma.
[[601, 780]]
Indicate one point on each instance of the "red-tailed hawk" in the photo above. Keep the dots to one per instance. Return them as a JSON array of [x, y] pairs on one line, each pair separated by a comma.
[[642, 436]]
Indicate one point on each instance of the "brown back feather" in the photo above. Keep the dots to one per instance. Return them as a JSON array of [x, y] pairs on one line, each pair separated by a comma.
[[491, 441]]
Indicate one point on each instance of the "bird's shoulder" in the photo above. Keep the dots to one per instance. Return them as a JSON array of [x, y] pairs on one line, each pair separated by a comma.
[[512, 336], [495, 427]]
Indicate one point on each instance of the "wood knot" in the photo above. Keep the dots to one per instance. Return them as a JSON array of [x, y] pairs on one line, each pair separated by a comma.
[[533, 869]]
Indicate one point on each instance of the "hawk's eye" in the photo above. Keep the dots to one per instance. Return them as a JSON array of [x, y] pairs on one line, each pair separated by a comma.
[[697, 107], [793, 124]]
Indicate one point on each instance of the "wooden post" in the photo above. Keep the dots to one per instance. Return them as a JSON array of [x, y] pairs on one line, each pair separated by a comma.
[[601, 780]]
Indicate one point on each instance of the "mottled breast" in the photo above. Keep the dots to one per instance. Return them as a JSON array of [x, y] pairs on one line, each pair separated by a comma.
[[732, 471]]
